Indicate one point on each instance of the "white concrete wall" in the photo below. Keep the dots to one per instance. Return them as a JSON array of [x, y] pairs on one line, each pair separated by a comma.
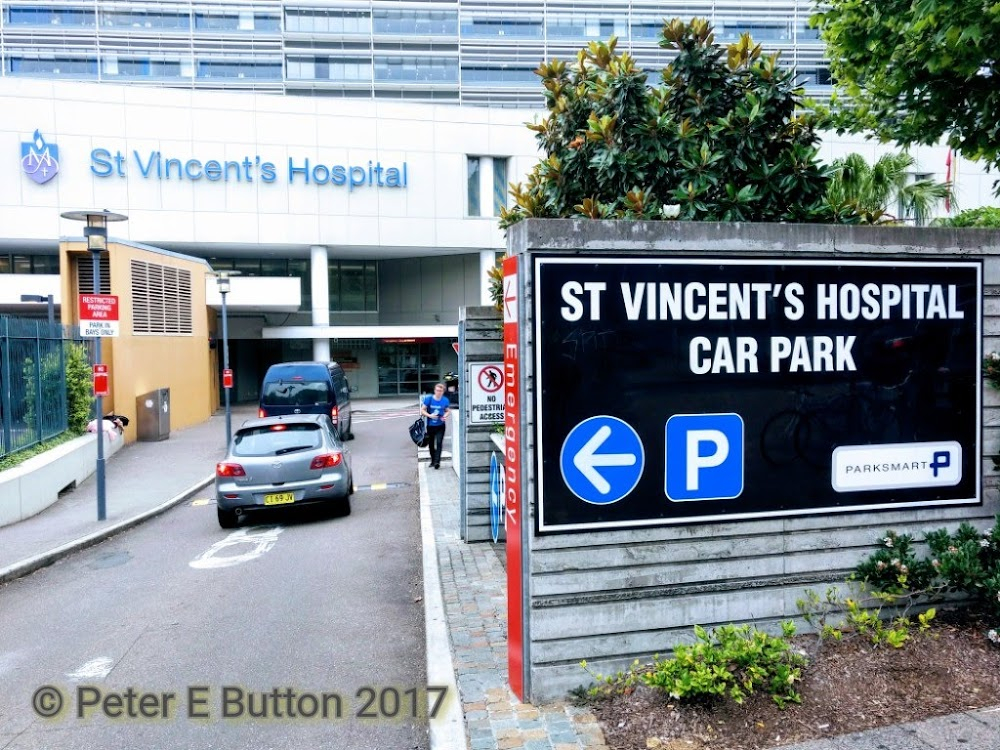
[[33, 486], [79, 117]]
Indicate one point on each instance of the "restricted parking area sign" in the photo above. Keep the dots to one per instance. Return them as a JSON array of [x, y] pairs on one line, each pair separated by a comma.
[[674, 390], [98, 315]]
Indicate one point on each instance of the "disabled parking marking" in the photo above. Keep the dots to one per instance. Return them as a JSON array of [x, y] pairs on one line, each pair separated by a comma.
[[260, 540]]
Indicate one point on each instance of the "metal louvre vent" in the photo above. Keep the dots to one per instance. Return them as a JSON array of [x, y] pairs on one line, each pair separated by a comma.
[[161, 300], [85, 274]]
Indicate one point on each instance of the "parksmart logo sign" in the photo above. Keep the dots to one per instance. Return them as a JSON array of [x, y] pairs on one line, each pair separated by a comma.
[[39, 159]]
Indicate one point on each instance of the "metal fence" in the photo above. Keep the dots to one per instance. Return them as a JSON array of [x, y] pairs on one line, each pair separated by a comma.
[[32, 381]]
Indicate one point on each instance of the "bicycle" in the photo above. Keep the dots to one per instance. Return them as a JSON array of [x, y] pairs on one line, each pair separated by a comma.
[[810, 431]]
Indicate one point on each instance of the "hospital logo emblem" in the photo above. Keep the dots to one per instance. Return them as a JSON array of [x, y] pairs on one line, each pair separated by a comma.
[[39, 160]]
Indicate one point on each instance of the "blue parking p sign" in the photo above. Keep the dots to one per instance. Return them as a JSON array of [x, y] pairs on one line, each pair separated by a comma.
[[704, 457]]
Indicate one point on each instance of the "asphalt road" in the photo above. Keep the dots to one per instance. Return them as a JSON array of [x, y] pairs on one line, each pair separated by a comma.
[[289, 617]]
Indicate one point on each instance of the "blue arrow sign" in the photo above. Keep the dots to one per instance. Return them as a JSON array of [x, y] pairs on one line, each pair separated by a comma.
[[601, 460], [496, 510]]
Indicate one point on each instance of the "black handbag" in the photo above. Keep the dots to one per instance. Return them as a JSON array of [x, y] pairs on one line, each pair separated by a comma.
[[418, 433]]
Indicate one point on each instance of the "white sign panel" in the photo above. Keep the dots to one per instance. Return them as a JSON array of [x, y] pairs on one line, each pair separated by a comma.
[[876, 467], [93, 329], [486, 393]]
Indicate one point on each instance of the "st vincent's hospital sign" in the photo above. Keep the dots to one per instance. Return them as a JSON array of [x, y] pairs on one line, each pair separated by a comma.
[[155, 165]]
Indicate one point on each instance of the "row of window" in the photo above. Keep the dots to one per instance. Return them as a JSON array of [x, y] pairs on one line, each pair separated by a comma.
[[568, 25], [141, 19], [14, 263], [299, 68]]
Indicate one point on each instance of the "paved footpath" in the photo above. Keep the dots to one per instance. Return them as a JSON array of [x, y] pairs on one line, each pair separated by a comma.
[[473, 585]]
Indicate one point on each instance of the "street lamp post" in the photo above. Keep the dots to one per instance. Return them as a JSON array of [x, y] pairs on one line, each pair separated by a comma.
[[43, 298], [222, 279], [96, 233]]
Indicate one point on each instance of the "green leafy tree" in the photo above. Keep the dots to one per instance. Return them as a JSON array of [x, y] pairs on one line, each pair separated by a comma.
[[915, 71], [79, 390], [722, 138], [871, 190]]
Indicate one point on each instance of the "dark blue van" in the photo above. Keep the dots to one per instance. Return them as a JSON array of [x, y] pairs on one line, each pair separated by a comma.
[[308, 388]]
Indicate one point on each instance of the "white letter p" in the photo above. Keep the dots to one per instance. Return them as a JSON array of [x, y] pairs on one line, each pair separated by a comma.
[[696, 462]]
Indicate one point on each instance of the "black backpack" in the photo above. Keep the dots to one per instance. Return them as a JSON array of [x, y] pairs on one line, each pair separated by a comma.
[[418, 433]]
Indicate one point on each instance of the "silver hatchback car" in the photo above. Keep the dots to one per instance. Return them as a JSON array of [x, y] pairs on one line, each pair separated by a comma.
[[295, 460]]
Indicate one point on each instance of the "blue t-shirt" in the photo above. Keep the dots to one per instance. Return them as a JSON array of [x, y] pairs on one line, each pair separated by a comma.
[[435, 407]]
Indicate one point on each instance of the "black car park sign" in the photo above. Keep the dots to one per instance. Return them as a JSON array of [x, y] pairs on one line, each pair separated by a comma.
[[673, 390]]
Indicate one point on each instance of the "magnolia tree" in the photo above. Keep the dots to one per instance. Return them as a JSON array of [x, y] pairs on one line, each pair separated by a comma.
[[722, 137]]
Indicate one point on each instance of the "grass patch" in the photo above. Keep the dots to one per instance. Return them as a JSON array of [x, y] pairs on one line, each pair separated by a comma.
[[12, 460]]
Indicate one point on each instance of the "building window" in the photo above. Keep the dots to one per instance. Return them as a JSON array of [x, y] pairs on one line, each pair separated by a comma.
[[353, 286], [328, 21], [472, 185], [415, 22], [161, 300], [499, 184]]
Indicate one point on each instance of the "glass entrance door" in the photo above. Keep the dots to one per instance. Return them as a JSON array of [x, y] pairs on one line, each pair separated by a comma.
[[406, 369]]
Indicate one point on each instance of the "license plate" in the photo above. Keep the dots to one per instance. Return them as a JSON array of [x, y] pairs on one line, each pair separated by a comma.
[[279, 498]]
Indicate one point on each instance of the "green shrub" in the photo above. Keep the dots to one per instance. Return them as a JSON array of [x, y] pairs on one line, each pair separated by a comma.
[[732, 661], [985, 217], [836, 617], [79, 389], [966, 561]]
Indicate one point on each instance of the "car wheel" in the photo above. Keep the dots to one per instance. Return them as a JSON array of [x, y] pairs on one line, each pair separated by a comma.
[[227, 518], [342, 507], [351, 482], [350, 430]]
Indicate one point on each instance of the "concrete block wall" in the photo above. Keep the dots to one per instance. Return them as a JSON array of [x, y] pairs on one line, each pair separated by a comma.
[[480, 339], [612, 597]]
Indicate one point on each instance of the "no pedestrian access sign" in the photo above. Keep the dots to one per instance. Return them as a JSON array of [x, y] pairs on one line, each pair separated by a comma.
[[486, 393], [98, 315]]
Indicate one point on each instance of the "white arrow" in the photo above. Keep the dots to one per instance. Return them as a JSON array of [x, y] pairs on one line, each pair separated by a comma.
[[586, 460]]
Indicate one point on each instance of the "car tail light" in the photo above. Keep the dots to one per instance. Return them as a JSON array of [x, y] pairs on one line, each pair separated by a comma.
[[229, 470], [261, 412], [334, 414], [326, 461]]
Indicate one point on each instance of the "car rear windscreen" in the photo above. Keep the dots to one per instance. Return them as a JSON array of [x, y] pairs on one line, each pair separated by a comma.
[[276, 440], [295, 393]]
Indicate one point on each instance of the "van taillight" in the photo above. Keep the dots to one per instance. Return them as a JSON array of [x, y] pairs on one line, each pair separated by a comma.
[[261, 412], [334, 414]]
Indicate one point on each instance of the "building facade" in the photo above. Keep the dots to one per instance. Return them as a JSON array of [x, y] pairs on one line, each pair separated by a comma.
[[465, 51], [359, 229]]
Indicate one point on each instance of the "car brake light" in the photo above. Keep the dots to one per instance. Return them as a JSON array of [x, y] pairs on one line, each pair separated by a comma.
[[326, 461], [334, 414], [278, 427], [261, 413], [229, 470]]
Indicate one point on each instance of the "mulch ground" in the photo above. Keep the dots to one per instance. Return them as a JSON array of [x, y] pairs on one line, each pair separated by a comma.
[[849, 686]]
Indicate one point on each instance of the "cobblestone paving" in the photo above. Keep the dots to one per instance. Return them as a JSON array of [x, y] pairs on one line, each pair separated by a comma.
[[473, 584]]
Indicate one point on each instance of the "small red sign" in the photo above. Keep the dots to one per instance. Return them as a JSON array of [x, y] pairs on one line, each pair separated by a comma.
[[101, 380], [99, 307], [454, 345], [227, 378]]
